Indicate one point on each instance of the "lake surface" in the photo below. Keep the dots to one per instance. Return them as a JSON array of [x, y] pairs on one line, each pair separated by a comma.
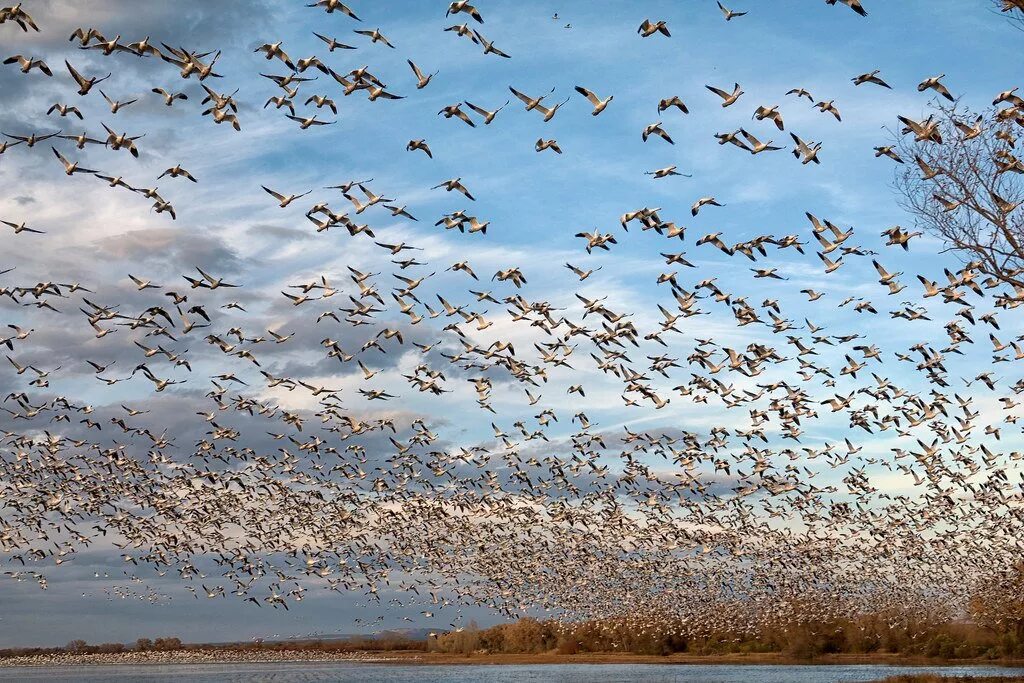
[[559, 673]]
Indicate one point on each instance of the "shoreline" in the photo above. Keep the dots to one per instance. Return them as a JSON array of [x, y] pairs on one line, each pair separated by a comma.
[[197, 656], [215, 656]]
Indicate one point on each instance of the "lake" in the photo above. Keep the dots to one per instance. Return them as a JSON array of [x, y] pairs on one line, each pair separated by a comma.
[[559, 673]]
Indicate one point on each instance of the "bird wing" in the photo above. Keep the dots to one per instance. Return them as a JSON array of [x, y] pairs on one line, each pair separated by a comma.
[[74, 74], [58, 155], [478, 110], [594, 99], [718, 91], [279, 197], [525, 98], [750, 138]]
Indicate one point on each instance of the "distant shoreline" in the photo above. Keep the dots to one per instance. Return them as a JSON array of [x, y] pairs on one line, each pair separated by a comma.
[[216, 656], [203, 656]]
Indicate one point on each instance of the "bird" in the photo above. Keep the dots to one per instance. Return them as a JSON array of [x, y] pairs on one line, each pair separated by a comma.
[[122, 141], [648, 29], [542, 145], [273, 50], [169, 97], [806, 152], [69, 167], [1009, 96], [107, 47], [830, 266], [599, 104], [454, 111], [284, 200], [301, 65], [1004, 206], [331, 6], [115, 182], [673, 101], [375, 36], [666, 172], [656, 129], [222, 116], [399, 211], [927, 171], [733, 139], [19, 16], [322, 101], [309, 121], [454, 184], [772, 113], [970, 132], [464, 6], [375, 92], [141, 283], [28, 63], [702, 202], [899, 237], [800, 92], [64, 110], [580, 273], [280, 101], [84, 84], [530, 103], [421, 79], [756, 146], [487, 115], [29, 140], [21, 227], [116, 105], [888, 151], [211, 282], [176, 171], [140, 47], [728, 98], [828, 108], [871, 77], [926, 130], [852, 4], [464, 30], [728, 13], [419, 145], [934, 84], [332, 43]]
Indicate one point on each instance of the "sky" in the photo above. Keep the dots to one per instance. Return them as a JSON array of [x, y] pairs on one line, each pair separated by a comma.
[[536, 203]]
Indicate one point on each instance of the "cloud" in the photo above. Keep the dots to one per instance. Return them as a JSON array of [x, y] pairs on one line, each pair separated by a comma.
[[170, 249]]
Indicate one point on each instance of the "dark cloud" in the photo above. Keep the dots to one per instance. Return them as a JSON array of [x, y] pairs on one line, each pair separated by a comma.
[[267, 230], [168, 250]]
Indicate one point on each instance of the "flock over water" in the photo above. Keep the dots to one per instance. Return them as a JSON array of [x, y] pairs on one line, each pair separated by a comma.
[[431, 428]]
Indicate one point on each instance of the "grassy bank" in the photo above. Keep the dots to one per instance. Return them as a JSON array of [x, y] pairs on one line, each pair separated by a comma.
[[932, 678], [284, 653], [684, 658]]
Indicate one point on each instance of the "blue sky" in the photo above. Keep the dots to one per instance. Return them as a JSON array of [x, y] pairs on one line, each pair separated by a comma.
[[535, 202]]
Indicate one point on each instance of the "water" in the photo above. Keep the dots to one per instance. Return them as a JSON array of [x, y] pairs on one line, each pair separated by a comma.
[[557, 673]]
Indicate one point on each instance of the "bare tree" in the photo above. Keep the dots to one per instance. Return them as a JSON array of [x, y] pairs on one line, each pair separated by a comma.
[[999, 605], [963, 183], [1013, 9]]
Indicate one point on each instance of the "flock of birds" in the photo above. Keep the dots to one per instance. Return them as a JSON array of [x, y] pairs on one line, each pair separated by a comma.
[[729, 525]]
